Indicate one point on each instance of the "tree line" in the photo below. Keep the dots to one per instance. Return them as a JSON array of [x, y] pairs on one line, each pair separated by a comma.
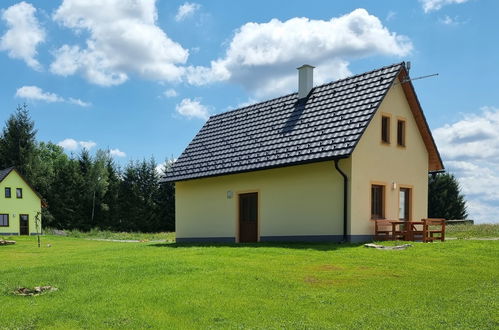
[[86, 191]]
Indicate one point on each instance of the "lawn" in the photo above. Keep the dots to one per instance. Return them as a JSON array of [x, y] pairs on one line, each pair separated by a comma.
[[322, 286]]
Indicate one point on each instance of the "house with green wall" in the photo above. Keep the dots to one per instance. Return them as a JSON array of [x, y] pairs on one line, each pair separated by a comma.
[[20, 204]]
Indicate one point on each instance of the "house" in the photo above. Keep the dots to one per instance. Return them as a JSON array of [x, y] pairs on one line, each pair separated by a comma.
[[317, 165], [20, 204]]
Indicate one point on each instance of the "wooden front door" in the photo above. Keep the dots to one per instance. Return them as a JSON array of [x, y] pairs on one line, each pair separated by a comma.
[[248, 218], [23, 224]]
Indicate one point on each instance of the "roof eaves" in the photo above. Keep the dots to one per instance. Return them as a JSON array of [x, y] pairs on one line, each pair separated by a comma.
[[175, 178]]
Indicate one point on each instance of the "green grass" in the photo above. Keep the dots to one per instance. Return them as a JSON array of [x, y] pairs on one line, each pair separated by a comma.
[[277, 286], [472, 231], [106, 234]]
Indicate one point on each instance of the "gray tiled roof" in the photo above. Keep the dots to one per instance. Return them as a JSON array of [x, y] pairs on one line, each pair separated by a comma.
[[286, 131], [5, 172]]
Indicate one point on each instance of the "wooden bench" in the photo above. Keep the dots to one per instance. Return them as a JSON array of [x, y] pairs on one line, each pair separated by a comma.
[[434, 229], [383, 230]]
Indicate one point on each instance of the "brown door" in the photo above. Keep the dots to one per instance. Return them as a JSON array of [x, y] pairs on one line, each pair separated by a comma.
[[248, 218], [23, 224]]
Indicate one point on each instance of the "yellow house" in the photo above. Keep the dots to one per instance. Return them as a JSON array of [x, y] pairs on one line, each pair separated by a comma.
[[20, 204], [317, 165]]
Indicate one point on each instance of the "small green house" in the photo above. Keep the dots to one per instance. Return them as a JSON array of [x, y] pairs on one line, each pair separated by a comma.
[[19, 204]]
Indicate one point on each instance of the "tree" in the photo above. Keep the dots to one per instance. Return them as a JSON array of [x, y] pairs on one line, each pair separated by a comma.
[[166, 201], [18, 143], [445, 199]]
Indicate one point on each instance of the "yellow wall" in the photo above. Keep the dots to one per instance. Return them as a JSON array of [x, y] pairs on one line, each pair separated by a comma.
[[374, 162], [29, 204], [293, 201]]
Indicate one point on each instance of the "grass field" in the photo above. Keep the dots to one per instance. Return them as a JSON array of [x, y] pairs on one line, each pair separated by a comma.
[[473, 231], [164, 285]]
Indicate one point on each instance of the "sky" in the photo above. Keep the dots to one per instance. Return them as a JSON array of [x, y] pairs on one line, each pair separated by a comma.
[[140, 78]]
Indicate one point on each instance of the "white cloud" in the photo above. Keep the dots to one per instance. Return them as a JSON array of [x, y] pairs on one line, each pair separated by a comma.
[[434, 5], [170, 93], [117, 153], [72, 144], [391, 15], [192, 109], [470, 149], [123, 39], [24, 33], [87, 144], [37, 94], [79, 102], [262, 56], [447, 20], [186, 10]]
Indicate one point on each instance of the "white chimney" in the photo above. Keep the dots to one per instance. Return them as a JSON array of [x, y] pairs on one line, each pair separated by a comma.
[[305, 80]]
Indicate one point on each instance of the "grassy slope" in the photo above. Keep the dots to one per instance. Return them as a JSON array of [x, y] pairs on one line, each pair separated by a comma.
[[109, 284], [473, 231]]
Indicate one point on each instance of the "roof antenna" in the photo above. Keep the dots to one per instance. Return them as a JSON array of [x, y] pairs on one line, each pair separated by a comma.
[[408, 66]]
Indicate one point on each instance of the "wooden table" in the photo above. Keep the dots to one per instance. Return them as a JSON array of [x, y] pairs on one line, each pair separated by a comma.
[[409, 229]]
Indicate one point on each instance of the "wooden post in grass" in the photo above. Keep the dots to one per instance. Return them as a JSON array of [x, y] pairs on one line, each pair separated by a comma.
[[38, 221]]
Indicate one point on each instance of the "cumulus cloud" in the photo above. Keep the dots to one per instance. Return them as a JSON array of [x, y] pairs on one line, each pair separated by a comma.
[[192, 108], [117, 153], [123, 39], [35, 93], [170, 93], [470, 149], [24, 33], [186, 10], [262, 56], [72, 144], [434, 5]]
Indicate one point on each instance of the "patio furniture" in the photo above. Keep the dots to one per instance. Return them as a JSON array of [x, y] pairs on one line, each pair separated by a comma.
[[434, 229], [383, 230]]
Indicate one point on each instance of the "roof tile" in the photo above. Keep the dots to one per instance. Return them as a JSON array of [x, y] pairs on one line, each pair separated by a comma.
[[286, 131]]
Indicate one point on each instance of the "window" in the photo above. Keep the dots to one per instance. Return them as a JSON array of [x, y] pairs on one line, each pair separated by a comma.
[[4, 220], [404, 204], [377, 201], [7, 192], [19, 192], [385, 129], [401, 133]]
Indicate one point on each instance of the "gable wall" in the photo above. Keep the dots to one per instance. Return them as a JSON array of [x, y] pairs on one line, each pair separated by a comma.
[[30, 204], [303, 200], [374, 162]]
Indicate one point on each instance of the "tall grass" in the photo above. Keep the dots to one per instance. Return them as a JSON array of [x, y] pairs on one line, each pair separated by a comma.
[[473, 231], [107, 234]]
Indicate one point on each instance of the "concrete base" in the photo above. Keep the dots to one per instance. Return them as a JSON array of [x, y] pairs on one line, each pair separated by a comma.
[[304, 238]]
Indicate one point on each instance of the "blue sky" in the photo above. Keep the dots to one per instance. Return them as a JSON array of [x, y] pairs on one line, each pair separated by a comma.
[[140, 77]]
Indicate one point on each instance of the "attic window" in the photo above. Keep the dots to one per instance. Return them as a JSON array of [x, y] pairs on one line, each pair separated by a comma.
[[7, 192], [19, 192], [401, 133], [385, 129]]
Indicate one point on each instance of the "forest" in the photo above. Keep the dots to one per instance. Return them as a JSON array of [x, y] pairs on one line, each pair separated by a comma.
[[87, 190]]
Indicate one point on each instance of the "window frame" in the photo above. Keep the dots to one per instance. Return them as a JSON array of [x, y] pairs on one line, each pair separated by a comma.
[[8, 220], [401, 137], [388, 118], [9, 189], [408, 201], [382, 202], [19, 193]]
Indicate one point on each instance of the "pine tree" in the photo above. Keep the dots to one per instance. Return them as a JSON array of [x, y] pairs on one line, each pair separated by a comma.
[[18, 143], [445, 199]]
